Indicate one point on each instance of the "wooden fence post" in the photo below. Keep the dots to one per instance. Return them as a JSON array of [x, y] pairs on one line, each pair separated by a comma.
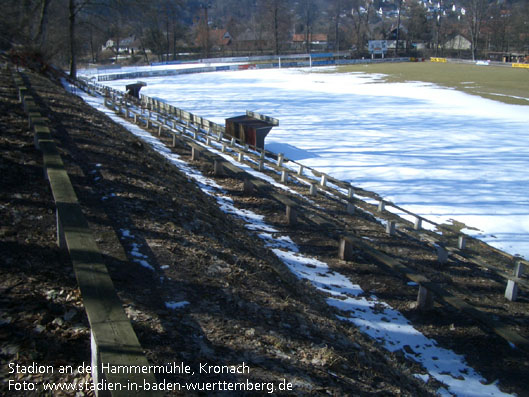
[[247, 187], [390, 227], [511, 292], [284, 176], [22, 92], [418, 224], [280, 158], [462, 242], [218, 169], [442, 254], [291, 215], [61, 237], [194, 154], [519, 269], [424, 299], [345, 251]]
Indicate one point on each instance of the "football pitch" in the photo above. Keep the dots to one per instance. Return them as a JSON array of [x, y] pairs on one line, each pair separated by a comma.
[[436, 151], [502, 83]]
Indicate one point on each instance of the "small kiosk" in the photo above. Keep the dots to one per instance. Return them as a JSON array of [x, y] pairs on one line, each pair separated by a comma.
[[251, 128], [134, 89]]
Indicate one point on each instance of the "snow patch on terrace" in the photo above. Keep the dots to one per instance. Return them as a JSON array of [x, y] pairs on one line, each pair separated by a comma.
[[375, 318], [176, 305], [135, 251]]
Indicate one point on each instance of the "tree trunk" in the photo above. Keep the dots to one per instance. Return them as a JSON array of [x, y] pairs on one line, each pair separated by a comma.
[[92, 47], [40, 39], [437, 29], [398, 30], [168, 41], [175, 36], [73, 60], [143, 50], [336, 37], [308, 33], [475, 15], [276, 28], [118, 44]]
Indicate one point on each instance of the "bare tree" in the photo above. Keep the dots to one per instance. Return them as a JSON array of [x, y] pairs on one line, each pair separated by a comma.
[[71, 30], [276, 19], [500, 27], [361, 13], [475, 12], [417, 23], [520, 27], [174, 8], [307, 13], [338, 9], [18, 21], [74, 8], [399, 9], [204, 28], [40, 38]]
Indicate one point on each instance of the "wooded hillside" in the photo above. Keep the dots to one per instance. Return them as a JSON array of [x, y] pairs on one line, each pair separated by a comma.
[[132, 31]]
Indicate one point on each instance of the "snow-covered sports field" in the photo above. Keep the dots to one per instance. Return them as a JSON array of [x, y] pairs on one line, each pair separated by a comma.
[[438, 152]]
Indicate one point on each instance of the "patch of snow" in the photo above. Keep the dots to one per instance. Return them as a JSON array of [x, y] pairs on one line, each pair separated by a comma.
[[125, 233], [422, 377], [176, 305], [144, 263]]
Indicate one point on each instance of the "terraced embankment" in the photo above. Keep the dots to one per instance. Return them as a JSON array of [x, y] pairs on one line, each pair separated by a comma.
[[166, 243], [243, 304]]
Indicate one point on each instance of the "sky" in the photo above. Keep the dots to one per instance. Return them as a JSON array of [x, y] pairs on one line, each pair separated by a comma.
[[438, 152]]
